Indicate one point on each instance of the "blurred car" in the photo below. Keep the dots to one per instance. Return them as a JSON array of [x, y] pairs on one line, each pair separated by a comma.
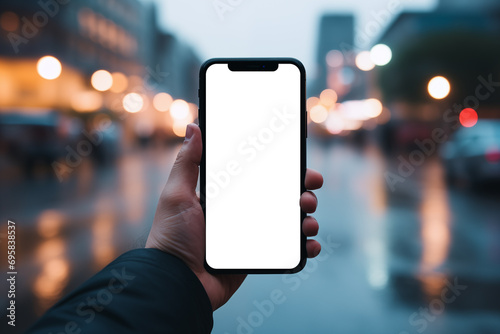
[[473, 154], [35, 138]]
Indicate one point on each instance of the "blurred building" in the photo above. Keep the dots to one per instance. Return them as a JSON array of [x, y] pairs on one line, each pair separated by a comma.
[[335, 60], [181, 64], [121, 37], [458, 42], [468, 5], [84, 36], [336, 33]]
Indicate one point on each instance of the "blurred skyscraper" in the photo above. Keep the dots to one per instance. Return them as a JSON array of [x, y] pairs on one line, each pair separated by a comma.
[[336, 33]]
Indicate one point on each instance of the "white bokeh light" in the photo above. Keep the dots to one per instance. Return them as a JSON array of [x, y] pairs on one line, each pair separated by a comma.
[[439, 87], [49, 67], [381, 54]]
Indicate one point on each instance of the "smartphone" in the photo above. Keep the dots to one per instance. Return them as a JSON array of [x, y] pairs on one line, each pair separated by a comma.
[[253, 122]]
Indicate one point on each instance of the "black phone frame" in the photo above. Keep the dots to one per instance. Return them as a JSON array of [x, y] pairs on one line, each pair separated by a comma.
[[255, 64]]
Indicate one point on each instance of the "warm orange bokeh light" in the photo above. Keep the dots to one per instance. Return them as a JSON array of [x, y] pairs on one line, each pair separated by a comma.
[[133, 102], [120, 82], [328, 97], [9, 21], [102, 80], [318, 114], [162, 102], [179, 109]]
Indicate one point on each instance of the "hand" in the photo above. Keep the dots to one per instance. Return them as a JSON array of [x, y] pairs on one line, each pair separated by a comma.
[[179, 224]]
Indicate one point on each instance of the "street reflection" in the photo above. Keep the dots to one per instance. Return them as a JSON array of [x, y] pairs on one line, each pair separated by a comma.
[[53, 276], [93, 109], [50, 223], [375, 243], [133, 189], [103, 232], [435, 217]]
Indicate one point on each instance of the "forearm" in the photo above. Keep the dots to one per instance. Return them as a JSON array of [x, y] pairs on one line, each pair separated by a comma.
[[144, 290]]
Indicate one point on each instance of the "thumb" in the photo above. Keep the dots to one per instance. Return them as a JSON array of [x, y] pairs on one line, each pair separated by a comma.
[[184, 175]]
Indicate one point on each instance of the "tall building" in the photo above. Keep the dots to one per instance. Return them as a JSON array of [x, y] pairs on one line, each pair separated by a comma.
[[336, 32]]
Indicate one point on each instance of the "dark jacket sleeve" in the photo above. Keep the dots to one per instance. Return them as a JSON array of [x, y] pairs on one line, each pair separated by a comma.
[[142, 291]]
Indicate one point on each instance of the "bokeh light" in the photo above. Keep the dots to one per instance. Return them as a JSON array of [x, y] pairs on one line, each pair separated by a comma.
[[162, 101], [381, 54], [120, 82], [179, 129], [86, 101], [468, 117], [179, 109], [311, 102], [334, 58], [102, 80], [133, 102], [9, 21], [49, 67], [328, 97], [334, 124], [439, 87], [318, 114], [364, 61], [373, 107]]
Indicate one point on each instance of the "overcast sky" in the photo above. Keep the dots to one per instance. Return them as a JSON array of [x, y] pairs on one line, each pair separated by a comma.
[[253, 28]]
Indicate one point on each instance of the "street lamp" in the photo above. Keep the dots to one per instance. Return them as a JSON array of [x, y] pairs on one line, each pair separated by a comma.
[[49, 67], [364, 61], [101, 80], [439, 87], [179, 109], [133, 102], [162, 101], [381, 54]]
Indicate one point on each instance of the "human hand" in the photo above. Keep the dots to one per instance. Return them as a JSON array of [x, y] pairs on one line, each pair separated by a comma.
[[179, 225]]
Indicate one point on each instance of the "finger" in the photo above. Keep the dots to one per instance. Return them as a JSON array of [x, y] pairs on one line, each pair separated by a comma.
[[310, 226], [308, 202], [314, 179], [313, 248], [184, 174]]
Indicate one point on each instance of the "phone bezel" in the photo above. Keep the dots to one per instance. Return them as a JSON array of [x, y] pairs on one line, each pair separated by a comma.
[[255, 64]]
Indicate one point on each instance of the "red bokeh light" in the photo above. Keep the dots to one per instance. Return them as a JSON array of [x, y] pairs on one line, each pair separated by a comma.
[[493, 155], [468, 117]]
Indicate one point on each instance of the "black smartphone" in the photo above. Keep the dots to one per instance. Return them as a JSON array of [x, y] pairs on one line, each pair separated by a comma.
[[253, 122]]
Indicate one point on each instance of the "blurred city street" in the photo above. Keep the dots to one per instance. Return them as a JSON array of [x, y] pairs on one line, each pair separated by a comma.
[[386, 255], [403, 116]]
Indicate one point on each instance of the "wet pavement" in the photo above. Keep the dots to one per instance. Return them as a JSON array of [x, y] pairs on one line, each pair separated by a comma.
[[420, 259]]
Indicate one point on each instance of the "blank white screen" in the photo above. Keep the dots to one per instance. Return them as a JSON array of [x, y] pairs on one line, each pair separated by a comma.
[[253, 168]]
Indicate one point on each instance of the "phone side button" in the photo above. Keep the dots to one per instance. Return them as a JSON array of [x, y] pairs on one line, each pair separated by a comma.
[[306, 124]]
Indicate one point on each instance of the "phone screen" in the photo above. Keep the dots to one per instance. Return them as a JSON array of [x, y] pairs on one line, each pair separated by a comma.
[[253, 167]]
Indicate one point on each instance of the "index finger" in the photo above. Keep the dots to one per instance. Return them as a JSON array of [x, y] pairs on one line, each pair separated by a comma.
[[314, 179]]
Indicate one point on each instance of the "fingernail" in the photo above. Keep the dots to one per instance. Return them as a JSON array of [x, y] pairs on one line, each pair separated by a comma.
[[189, 132]]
